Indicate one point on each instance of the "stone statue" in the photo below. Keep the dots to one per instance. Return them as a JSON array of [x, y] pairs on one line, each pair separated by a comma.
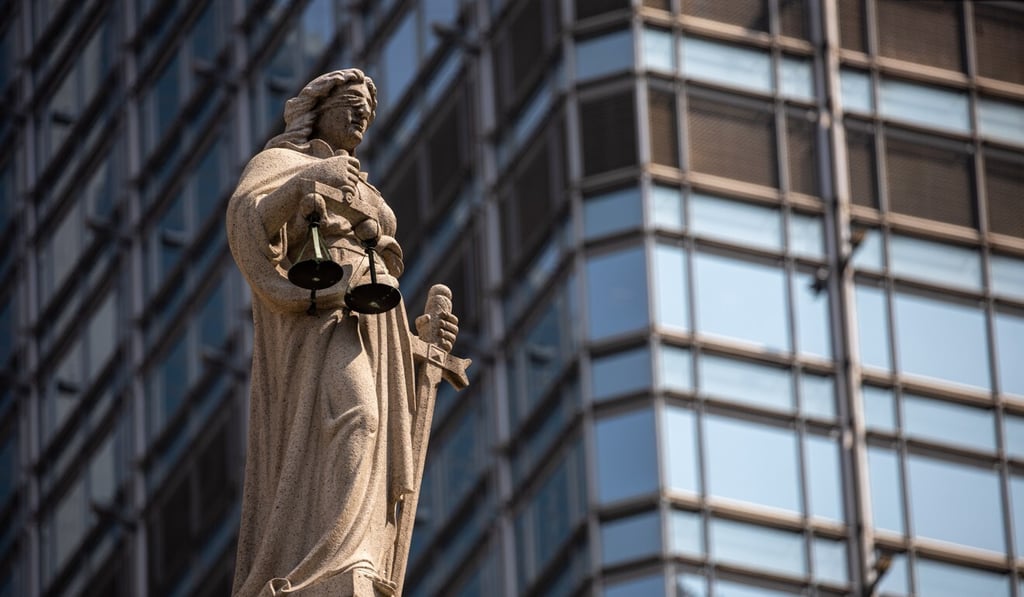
[[341, 402]]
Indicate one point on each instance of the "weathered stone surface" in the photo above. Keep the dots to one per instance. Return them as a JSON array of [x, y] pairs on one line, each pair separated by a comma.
[[333, 396]]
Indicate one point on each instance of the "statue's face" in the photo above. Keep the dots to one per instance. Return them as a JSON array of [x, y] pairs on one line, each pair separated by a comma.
[[344, 116]]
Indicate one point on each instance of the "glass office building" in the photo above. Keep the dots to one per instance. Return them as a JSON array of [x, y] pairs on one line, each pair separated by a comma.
[[743, 282]]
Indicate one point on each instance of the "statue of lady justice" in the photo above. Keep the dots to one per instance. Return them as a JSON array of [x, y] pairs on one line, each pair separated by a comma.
[[333, 399]]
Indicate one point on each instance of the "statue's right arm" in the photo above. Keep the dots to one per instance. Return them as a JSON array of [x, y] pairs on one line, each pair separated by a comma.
[[282, 203]]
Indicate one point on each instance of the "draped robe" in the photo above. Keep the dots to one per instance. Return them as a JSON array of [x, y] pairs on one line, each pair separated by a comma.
[[331, 403]]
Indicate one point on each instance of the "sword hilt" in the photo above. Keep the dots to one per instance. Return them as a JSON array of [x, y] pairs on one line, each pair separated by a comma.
[[439, 302]]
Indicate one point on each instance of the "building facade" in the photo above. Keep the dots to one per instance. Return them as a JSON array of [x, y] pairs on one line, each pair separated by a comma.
[[743, 282]]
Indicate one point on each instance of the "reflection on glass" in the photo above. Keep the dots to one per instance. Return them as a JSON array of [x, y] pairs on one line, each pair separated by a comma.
[[736, 222], [686, 533], [855, 87], [612, 212], [1010, 352], [741, 300], [680, 451], [621, 373], [674, 369], [830, 564], [930, 261], [946, 422], [872, 327], [603, 55], [1001, 120], [630, 538], [925, 105], [805, 236], [671, 304], [886, 500], [797, 80], [616, 293], [824, 479], [812, 321], [658, 50], [752, 463], [956, 503], [817, 396], [939, 579], [955, 351], [644, 587], [626, 458], [666, 208], [746, 68], [743, 381], [879, 408], [1007, 276], [756, 546]]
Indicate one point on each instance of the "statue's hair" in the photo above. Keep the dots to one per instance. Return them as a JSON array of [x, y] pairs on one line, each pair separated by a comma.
[[301, 112]]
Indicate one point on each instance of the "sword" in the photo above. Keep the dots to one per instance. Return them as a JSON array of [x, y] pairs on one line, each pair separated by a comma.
[[432, 365]]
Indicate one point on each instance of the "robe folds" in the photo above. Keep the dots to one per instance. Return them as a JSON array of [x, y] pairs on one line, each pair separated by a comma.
[[331, 403]]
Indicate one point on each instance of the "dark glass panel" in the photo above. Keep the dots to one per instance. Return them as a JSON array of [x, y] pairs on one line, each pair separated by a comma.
[[608, 126], [930, 180], [793, 18], [921, 31], [860, 155], [735, 141], [999, 42], [802, 145], [664, 125], [1004, 188], [752, 14], [590, 8]]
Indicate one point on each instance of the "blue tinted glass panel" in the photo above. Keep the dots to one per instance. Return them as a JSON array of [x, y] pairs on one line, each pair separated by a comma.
[[399, 59], [830, 563], [690, 585], [755, 546], [797, 80], [671, 305], [856, 90], [686, 533], [805, 236], [617, 293], [868, 254], [939, 579], [873, 327], [630, 538], [621, 373], [1017, 511], [1014, 438], [752, 463], [627, 463], [1010, 351], [604, 55], [675, 369], [659, 50], [956, 503], [924, 347], [666, 208], [653, 586], [924, 105], [725, 588], [879, 408], [746, 68], [1001, 120], [1007, 276], [168, 99], [680, 451], [442, 12], [614, 212], [818, 396], [824, 478], [741, 300], [812, 328], [736, 222], [743, 381], [886, 501], [897, 580], [939, 263], [946, 422]]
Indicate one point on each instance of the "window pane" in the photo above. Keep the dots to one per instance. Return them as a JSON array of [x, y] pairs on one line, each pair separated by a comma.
[[750, 383], [686, 533], [604, 55], [805, 236], [626, 458], [752, 463], [830, 563], [818, 396], [736, 222], [1014, 441], [856, 90], [924, 347], [884, 473], [653, 586], [940, 263], [1017, 511], [617, 293], [741, 300], [1007, 276], [956, 503], [879, 408], [1010, 353], [812, 324], [674, 369], [946, 422], [925, 105], [728, 64], [872, 327], [757, 547], [724, 588], [613, 212], [630, 538], [680, 443], [666, 208], [621, 373], [1001, 120], [671, 305], [939, 579], [824, 478], [400, 59], [658, 50], [797, 78]]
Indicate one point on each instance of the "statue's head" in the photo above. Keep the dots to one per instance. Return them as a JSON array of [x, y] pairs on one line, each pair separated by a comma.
[[336, 107]]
